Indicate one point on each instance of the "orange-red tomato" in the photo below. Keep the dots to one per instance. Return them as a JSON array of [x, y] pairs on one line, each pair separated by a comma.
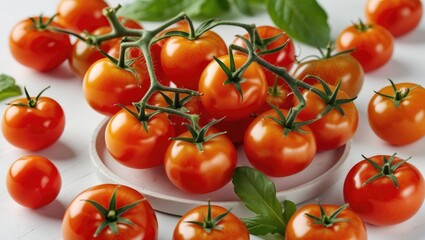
[[235, 129], [398, 16], [33, 181]]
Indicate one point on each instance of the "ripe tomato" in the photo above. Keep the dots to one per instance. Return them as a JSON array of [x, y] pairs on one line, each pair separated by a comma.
[[399, 117], [183, 60], [80, 15], [383, 201], [235, 130], [333, 129], [83, 219], [282, 58], [302, 227], [131, 145], [276, 154], [224, 100], [212, 225], [33, 123], [195, 171], [105, 85], [398, 16], [373, 44], [36, 47], [332, 69], [33, 181]]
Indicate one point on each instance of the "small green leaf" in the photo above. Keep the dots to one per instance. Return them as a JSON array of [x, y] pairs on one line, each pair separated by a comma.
[[303, 20], [289, 210], [8, 87]]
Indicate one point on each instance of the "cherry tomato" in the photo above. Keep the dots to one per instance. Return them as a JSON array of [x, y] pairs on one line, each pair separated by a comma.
[[393, 197], [303, 227], [105, 85], [276, 154], [131, 145], [282, 58], [235, 130], [35, 46], [229, 227], [195, 171], [398, 16], [373, 44], [224, 100], [33, 181], [80, 15], [84, 220], [399, 117], [332, 69], [33, 123], [183, 60], [333, 129], [280, 96]]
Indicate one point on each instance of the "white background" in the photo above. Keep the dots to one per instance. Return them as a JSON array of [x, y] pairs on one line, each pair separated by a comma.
[[71, 153]]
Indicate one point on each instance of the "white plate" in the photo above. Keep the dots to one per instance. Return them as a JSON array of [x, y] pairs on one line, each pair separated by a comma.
[[320, 175]]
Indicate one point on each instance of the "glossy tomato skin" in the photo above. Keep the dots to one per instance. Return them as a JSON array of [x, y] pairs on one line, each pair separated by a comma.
[[33, 181], [301, 227], [129, 143], [35, 128], [333, 129], [80, 15], [282, 58], [197, 171], [398, 16], [183, 60], [223, 100], [229, 228], [379, 202], [400, 125], [81, 219], [373, 46], [42, 50], [105, 85], [273, 153], [343, 67]]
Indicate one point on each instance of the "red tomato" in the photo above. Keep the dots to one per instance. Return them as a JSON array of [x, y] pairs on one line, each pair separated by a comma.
[[280, 96], [302, 227], [38, 48], [398, 16], [33, 181], [83, 220], [332, 69], [229, 227], [131, 145], [373, 44], [382, 201], [33, 124], [334, 129], [235, 129], [80, 15], [105, 85], [399, 118], [183, 60], [282, 58], [224, 100], [195, 171], [276, 154]]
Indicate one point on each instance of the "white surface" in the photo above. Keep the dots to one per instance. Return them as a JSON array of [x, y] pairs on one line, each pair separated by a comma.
[[71, 153]]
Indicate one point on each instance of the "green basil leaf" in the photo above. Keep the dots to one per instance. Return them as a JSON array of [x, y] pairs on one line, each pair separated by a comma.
[[289, 210], [303, 20], [8, 88], [261, 225], [208, 8]]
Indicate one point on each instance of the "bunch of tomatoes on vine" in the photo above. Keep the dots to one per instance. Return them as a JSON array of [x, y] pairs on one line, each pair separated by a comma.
[[178, 96]]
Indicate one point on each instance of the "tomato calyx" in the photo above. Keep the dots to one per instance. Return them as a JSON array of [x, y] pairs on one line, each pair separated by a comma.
[[328, 220], [399, 95], [208, 223], [40, 24], [32, 102], [386, 170], [362, 27], [112, 215]]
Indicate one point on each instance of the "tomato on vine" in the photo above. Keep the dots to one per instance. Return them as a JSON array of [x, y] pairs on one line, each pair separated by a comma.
[[33, 123], [34, 44], [384, 190], [109, 211], [373, 44], [33, 181]]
